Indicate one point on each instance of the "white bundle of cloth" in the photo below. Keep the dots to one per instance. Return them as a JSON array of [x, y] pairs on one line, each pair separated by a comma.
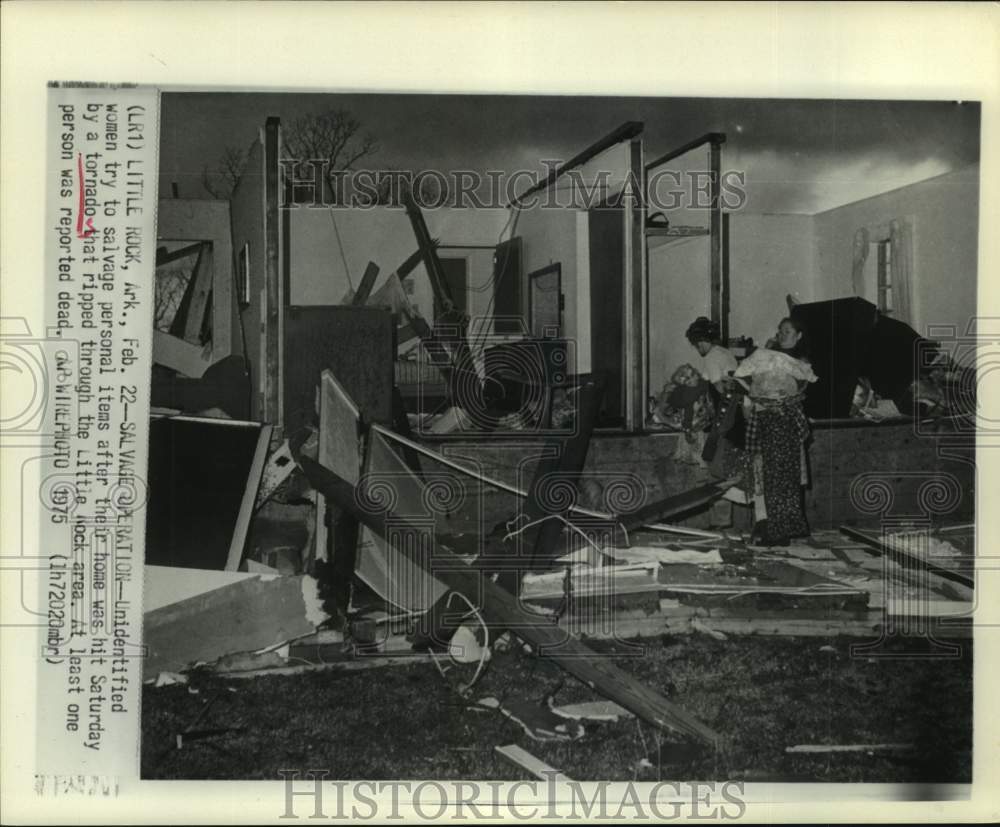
[[774, 375]]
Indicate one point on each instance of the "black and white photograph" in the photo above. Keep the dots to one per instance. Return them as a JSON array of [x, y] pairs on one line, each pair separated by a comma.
[[596, 434], [498, 411]]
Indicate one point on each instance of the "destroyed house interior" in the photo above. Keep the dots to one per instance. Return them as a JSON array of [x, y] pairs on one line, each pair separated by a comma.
[[629, 491]]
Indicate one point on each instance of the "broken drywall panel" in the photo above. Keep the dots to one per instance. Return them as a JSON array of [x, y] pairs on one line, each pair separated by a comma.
[[254, 567], [164, 585], [252, 614]]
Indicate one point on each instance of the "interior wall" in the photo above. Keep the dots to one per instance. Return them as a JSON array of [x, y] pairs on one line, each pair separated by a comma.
[[944, 212], [317, 272], [678, 294], [247, 213], [555, 229], [770, 256], [549, 236]]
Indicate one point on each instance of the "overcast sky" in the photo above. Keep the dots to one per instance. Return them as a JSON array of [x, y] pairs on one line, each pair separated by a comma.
[[801, 156]]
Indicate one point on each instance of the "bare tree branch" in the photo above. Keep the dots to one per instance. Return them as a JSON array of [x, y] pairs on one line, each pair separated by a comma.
[[329, 137], [222, 180]]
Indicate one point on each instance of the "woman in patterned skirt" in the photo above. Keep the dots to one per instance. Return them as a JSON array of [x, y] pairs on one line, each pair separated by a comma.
[[776, 438]]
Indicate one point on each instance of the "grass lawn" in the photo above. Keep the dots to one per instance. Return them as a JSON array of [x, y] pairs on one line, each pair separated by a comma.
[[408, 722]]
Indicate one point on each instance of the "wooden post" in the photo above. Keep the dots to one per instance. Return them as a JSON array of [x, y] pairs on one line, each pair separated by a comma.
[[715, 239], [725, 279], [635, 293], [272, 276]]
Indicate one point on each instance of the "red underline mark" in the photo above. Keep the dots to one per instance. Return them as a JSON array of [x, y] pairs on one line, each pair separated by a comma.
[[80, 232]]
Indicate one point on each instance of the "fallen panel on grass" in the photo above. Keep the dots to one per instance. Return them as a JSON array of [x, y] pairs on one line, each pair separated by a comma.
[[247, 616], [500, 608]]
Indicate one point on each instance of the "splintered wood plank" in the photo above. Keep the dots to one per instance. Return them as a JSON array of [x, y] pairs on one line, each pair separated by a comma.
[[501, 608], [522, 759]]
